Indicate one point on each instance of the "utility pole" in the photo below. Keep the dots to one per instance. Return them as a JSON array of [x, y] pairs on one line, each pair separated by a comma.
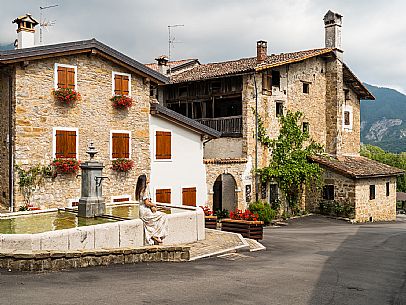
[[171, 41], [42, 23]]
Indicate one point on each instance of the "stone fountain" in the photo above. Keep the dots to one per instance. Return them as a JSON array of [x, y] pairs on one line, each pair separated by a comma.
[[91, 202]]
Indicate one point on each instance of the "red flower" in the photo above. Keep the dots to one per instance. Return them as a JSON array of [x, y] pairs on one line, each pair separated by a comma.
[[121, 101], [207, 211], [122, 165], [246, 215], [66, 95], [65, 166]]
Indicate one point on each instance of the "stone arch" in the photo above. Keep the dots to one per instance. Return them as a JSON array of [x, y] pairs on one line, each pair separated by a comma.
[[224, 193]]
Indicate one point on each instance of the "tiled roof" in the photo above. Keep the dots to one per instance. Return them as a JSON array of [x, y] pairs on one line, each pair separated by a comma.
[[84, 46], [357, 166], [225, 161], [244, 65], [173, 64], [163, 112]]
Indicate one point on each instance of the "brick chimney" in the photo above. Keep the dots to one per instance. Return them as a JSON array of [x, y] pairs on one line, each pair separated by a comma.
[[25, 31], [162, 64], [262, 51]]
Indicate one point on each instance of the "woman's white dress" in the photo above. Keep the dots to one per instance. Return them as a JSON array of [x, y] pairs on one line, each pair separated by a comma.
[[155, 224]]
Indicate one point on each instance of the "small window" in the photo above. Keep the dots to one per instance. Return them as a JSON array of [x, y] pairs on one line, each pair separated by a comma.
[[182, 91], [276, 79], [372, 192], [387, 188], [279, 109], [267, 82], [163, 145], [120, 199], [120, 143], [347, 118], [305, 127], [65, 77], [163, 195], [347, 94], [121, 84], [273, 193], [65, 143], [263, 190], [189, 196], [306, 88], [328, 192]]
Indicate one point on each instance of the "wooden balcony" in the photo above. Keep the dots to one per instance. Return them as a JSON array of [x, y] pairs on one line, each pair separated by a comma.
[[230, 126]]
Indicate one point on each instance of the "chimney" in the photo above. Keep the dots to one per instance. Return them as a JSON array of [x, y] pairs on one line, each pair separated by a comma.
[[25, 31], [261, 51], [162, 64], [332, 25]]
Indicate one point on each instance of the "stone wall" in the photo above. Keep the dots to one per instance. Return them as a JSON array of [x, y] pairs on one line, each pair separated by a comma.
[[351, 139], [382, 208], [5, 75], [37, 113], [223, 148]]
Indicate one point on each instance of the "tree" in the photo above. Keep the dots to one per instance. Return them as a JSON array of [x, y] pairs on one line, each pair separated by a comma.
[[289, 165]]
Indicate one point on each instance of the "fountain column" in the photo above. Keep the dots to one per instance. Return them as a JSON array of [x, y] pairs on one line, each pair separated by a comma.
[[91, 202]]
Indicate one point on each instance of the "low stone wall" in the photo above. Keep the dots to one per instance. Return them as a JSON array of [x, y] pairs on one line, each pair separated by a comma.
[[59, 260]]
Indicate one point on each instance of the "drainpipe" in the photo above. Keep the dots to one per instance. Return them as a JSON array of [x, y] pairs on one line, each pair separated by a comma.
[[10, 144], [256, 137]]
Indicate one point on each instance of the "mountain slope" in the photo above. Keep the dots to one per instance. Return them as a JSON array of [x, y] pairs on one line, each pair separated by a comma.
[[6, 46], [383, 121]]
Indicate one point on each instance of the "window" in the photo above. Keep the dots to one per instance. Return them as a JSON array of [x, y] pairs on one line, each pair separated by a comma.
[[65, 76], [372, 192], [347, 118], [306, 88], [328, 192], [387, 188], [267, 82], [273, 193], [121, 84], [305, 127], [189, 196], [163, 195], [118, 199], [263, 190], [65, 142], [346, 94], [279, 109], [120, 144], [163, 145], [276, 79]]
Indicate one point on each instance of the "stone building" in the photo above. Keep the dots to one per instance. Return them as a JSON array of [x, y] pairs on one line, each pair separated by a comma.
[[36, 129], [317, 82]]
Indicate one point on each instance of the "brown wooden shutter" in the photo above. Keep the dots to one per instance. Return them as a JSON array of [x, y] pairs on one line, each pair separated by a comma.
[[65, 144], [122, 199], [189, 196], [62, 77], [120, 145], [163, 195], [163, 145], [125, 85], [118, 84], [70, 78]]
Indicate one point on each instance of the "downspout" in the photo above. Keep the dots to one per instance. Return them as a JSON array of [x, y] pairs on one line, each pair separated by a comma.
[[256, 137], [10, 144]]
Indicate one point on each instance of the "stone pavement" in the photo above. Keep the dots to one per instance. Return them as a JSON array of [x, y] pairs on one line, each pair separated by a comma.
[[219, 242]]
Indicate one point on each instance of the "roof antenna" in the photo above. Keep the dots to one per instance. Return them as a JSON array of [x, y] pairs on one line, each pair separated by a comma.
[[171, 42], [43, 23]]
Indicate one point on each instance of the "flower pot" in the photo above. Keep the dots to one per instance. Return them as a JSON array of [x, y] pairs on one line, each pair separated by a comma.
[[247, 228], [210, 222]]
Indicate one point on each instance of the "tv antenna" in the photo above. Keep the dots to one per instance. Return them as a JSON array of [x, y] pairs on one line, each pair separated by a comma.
[[171, 42], [42, 22]]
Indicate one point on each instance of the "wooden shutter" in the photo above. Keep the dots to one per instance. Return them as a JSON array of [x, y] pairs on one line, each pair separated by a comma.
[[70, 78], [120, 145], [189, 196], [163, 145], [117, 84], [62, 77], [122, 199], [124, 85], [163, 195], [65, 144]]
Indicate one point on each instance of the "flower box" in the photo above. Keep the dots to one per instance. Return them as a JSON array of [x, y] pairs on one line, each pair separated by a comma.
[[65, 166], [210, 222], [122, 165], [247, 228], [121, 101], [66, 96]]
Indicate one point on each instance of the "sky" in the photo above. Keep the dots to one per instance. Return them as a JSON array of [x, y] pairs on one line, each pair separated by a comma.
[[373, 32]]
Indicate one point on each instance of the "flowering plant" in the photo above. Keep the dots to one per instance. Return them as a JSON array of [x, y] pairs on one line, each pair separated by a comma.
[[122, 165], [207, 211], [246, 215], [121, 101], [66, 95], [65, 166]]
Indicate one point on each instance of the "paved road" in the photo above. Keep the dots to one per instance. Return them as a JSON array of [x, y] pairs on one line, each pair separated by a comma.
[[314, 260]]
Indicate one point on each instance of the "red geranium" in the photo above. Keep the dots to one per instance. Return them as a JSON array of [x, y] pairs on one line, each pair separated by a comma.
[[66, 95], [122, 165], [65, 166], [207, 211], [246, 215], [122, 101]]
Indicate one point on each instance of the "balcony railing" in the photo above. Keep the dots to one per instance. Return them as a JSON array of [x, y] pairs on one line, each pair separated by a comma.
[[231, 126]]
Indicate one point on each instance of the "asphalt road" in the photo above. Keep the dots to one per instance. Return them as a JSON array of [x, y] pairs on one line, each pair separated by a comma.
[[314, 260]]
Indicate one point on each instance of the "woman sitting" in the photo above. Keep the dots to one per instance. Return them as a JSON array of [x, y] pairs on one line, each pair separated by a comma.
[[155, 222]]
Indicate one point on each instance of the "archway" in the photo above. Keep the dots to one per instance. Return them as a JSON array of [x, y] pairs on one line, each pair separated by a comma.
[[224, 196]]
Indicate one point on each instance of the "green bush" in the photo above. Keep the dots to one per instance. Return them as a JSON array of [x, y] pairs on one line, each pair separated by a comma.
[[222, 214], [264, 211]]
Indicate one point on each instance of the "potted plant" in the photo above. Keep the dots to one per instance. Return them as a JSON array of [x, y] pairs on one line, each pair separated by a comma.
[[65, 166], [244, 222], [122, 101], [122, 165], [66, 96], [210, 221]]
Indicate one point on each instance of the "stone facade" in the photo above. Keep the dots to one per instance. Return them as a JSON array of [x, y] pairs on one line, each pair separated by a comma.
[[36, 113]]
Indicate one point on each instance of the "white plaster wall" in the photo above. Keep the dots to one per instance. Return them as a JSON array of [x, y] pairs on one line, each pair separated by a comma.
[[185, 169]]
